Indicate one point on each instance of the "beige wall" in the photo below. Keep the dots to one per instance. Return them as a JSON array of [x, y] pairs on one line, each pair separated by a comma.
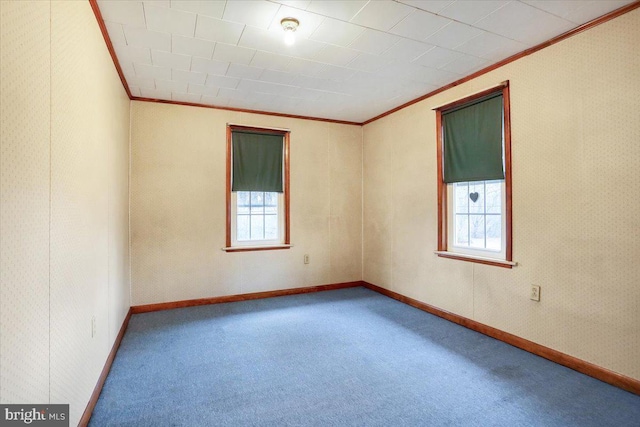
[[178, 157], [64, 257], [576, 180]]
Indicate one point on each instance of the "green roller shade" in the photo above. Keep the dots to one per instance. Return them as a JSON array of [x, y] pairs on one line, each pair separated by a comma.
[[473, 141], [257, 162]]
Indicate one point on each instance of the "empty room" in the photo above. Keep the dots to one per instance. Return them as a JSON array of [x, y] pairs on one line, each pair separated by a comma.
[[319, 213]]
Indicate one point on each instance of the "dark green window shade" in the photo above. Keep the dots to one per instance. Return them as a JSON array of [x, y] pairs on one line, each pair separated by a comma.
[[473, 141], [257, 162]]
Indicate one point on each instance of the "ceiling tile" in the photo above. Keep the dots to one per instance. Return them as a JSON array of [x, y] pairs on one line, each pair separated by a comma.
[[269, 60], [524, 23], [265, 87], [307, 82], [222, 81], [336, 32], [374, 42], [201, 65], [120, 12], [303, 48], [229, 53], [149, 39], [218, 30], [192, 46], [155, 93], [487, 43], [171, 60], [141, 55], [213, 8], [305, 67], [466, 65], [454, 34], [299, 4], [437, 57], [253, 13], [257, 38], [335, 55], [142, 83], [334, 72], [308, 21], [471, 11], [243, 71], [201, 89], [171, 86], [185, 97], [407, 50], [437, 78], [578, 12], [160, 3], [170, 20], [419, 25], [134, 90], [342, 10], [382, 14], [433, 6], [367, 62], [217, 101], [116, 33], [277, 77], [190, 77], [150, 72]]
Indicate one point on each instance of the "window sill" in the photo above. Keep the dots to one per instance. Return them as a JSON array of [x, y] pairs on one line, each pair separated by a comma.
[[478, 259], [255, 248]]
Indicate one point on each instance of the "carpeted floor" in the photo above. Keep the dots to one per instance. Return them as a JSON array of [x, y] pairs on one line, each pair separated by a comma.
[[349, 357]]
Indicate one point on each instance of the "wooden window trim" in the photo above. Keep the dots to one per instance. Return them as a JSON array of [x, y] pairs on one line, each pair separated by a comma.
[[442, 186], [287, 198]]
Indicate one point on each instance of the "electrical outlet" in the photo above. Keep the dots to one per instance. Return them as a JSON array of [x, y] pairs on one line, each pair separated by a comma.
[[306, 258], [535, 293], [93, 326]]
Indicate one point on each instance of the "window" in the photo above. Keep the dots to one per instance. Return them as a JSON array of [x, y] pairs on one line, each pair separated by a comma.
[[257, 189], [474, 178]]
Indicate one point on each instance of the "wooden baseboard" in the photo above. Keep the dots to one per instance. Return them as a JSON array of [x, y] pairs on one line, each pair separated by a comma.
[[86, 416], [241, 297], [603, 374]]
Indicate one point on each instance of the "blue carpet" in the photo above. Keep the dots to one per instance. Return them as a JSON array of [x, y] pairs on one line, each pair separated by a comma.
[[350, 357]]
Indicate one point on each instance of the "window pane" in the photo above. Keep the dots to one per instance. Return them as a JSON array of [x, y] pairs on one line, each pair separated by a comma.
[[257, 202], [494, 196], [461, 197], [257, 227], [462, 230], [243, 202], [476, 191], [494, 232], [271, 203], [242, 230], [271, 227], [476, 231]]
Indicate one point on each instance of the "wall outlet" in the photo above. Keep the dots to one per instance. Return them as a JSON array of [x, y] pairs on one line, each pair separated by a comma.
[[306, 258], [93, 326], [535, 293]]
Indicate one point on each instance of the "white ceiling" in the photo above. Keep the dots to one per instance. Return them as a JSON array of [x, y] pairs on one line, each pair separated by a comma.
[[352, 60]]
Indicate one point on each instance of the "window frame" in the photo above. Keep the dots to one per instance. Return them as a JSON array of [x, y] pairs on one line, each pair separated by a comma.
[[255, 245], [443, 204]]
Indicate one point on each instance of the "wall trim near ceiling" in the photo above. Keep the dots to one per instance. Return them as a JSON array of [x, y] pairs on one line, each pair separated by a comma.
[[598, 372], [93, 400], [586, 26], [601, 20]]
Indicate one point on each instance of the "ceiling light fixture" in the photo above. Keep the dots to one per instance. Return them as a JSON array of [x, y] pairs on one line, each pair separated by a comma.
[[289, 25]]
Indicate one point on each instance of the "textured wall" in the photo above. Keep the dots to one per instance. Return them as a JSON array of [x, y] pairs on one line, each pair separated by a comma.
[[64, 214], [576, 177], [178, 157]]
